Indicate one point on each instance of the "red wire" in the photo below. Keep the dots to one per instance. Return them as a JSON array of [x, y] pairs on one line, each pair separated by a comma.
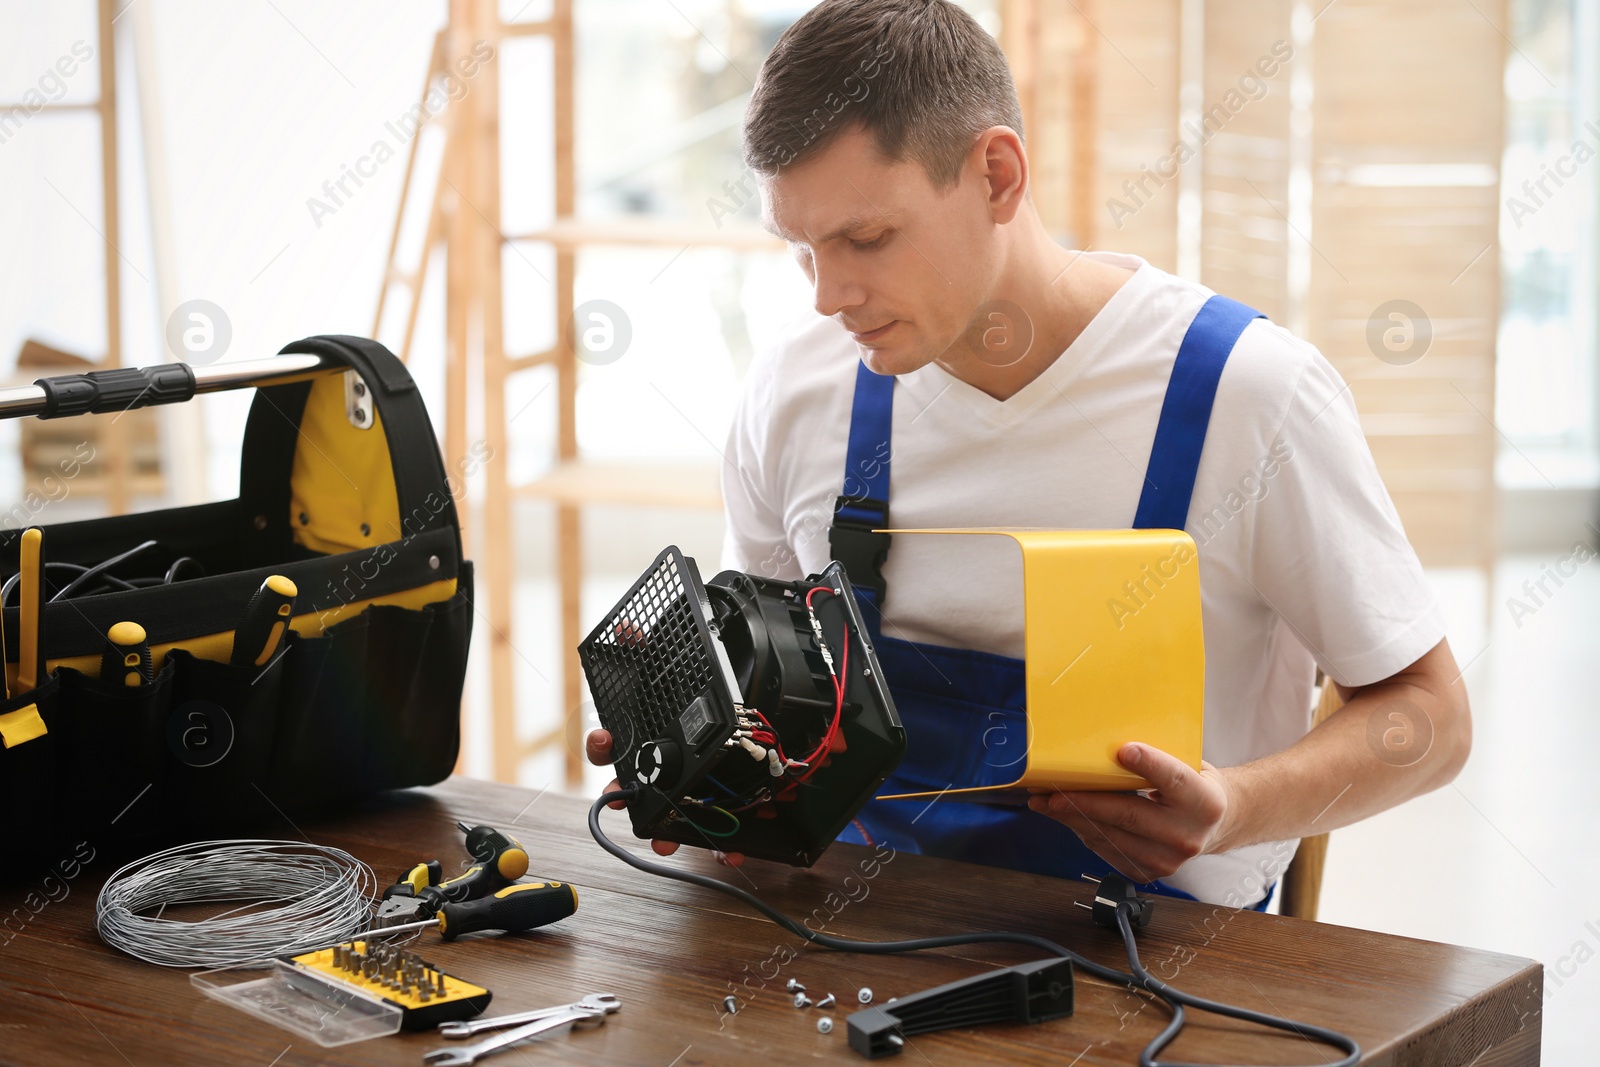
[[838, 684], [838, 713], [773, 731], [831, 734]]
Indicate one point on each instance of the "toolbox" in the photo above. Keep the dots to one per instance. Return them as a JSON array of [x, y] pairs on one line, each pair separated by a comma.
[[302, 645]]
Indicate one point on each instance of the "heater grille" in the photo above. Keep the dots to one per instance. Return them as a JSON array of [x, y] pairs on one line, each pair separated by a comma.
[[652, 656]]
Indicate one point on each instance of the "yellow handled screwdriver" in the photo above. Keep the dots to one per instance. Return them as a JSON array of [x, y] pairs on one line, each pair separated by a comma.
[[513, 909], [501, 852], [30, 613], [126, 660], [266, 618]]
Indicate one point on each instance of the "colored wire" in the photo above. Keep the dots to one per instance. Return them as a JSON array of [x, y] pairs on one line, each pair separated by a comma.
[[832, 733], [1139, 980], [838, 676], [772, 739], [716, 833], [776, 740], [813, 591], [290, 895]]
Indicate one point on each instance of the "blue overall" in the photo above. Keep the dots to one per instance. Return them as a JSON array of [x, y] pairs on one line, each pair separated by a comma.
[[964, 710]]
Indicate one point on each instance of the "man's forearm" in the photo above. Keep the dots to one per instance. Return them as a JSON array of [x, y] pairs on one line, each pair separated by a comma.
[[1392, 741]]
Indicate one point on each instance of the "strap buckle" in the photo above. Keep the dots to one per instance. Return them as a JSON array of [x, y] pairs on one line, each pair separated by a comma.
[[853, 542]]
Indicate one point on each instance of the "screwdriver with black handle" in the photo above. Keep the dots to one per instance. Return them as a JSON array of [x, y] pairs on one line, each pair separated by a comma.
[[266, 618], [513, 909], [501, 861], [500, 852], [126, 660]]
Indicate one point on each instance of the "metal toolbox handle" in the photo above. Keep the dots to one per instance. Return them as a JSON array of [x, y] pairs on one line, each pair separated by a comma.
[[125, 388]]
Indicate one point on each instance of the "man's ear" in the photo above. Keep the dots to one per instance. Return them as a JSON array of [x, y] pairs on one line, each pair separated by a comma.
[[1003, 164]]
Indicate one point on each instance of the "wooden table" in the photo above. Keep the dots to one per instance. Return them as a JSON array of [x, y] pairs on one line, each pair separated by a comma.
[[673, 952]]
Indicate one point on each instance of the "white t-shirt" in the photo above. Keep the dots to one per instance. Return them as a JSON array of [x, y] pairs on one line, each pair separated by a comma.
[[1302, 557]]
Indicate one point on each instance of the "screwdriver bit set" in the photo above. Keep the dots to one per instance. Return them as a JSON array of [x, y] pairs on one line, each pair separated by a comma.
[[352, 991], [426, 995]]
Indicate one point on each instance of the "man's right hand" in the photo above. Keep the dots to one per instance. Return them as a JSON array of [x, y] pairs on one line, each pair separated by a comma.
[[597, 747]]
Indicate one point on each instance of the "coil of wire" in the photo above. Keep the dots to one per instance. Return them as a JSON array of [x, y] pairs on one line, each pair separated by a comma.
[[289, 895]]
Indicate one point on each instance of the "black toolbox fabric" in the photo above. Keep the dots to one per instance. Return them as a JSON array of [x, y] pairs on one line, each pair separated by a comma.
[[208, 749]]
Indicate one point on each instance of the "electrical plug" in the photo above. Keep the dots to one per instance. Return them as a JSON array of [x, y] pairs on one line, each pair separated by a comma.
[[1115, 892]]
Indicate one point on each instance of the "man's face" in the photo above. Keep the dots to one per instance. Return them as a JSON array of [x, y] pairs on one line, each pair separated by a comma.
[[900, 264]]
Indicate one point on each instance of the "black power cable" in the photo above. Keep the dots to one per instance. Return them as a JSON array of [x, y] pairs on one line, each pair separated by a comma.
[[100, 568], [1178, 998], [78, 575], [1140, 979]]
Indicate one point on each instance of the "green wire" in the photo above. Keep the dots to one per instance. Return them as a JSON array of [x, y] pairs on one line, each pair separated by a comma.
[[716, 833]]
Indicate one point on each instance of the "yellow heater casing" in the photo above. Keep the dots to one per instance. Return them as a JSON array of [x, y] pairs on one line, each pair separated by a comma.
[[1114, 652]]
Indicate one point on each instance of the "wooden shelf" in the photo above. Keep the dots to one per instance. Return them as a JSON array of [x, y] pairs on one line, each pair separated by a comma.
[[542, 28], [572, 233], [584, 482]]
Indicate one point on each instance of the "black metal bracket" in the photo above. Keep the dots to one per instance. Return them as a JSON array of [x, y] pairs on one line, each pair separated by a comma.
[[1027, 993]]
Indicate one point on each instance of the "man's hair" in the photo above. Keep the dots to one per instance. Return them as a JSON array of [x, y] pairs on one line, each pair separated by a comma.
[[921, 75]]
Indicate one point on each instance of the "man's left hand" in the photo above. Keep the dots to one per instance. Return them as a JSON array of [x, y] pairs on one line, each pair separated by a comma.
[[1149, 834]]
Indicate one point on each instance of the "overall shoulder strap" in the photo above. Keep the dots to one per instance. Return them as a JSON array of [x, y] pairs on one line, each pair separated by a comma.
[[863, 503], [1186, 412]]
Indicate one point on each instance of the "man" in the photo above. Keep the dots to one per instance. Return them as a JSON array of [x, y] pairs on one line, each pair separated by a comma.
[[1009, 382]]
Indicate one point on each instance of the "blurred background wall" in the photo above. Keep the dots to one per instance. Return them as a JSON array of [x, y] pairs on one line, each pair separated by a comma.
[[1412, 185]]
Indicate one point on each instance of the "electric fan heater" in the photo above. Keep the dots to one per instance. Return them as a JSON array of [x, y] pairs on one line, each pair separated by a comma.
[[750, 713]]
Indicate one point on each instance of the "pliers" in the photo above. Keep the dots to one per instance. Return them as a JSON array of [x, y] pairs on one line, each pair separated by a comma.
[[421, 891]]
